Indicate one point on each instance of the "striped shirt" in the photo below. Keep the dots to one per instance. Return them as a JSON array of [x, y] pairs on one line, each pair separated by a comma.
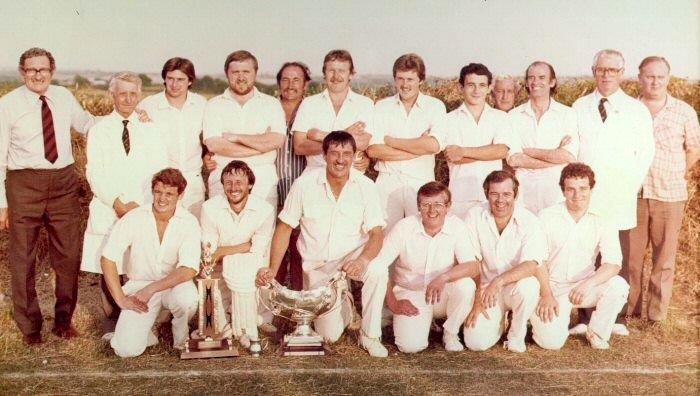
[[289, 165]]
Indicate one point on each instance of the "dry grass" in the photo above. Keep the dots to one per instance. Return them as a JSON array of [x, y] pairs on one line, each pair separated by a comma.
[[672, 345]]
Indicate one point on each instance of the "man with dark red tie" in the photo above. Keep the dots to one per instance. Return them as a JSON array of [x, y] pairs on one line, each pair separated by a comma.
[[39, 186]]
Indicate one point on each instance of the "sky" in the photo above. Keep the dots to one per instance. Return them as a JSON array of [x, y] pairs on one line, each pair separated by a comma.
[[505, 35]]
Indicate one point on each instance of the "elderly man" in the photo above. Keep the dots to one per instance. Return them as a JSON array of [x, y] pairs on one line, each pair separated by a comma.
[[336, 108], [474, 138], [123, 153], [341, 223], [243, 123], [661, 206], [292, 79], [510, 246], [617, 141], [432, 276], [180, 112], [39, 186], [239, 226], [404, 160], [162, 242], [505, 91], [548, 137], [576, 235]]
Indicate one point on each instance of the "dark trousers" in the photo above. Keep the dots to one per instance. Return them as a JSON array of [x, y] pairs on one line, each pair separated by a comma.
[[48, 198], [291, 264]]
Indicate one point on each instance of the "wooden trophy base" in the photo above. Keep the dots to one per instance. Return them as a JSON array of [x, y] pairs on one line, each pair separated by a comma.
[[204, 349], [303, 346]]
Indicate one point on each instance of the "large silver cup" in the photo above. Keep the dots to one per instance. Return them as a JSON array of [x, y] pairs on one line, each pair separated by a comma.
[[302, 307]]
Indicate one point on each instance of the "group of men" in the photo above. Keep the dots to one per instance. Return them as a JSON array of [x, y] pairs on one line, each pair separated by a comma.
[[591, 185]]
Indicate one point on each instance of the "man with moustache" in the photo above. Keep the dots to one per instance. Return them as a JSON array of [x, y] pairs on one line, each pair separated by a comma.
[[123, 153], [661, 205], [239, 227], [547, 133], [505, 92], [39, 187], [336, 108], [243, 123], [292, 79], [617, 141], [341, 223], [404, 161], [180, 113]]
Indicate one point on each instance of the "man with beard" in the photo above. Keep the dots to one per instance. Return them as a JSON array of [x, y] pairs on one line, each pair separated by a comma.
[[245, 124], [336, 108], [239, 227]]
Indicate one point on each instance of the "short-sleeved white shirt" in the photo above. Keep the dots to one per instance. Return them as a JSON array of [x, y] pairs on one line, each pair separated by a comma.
[[330, 228], [149, 258], [459, 128], [181, 127], [317, 111], [390, 119], [573, 247], [522, 240], [421, 257]]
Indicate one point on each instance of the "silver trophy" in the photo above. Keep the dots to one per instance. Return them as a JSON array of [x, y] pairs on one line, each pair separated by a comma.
[[303, 307]]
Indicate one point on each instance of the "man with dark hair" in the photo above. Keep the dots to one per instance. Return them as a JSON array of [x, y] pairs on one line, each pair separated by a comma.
[[39, 186], [576, 235], [474, 138], [547, 133], [431, 275], [510, 245], [400, 141], [162, 242], [243, 123], [238, 226], [336, 108], [341, 223], [180, 113]]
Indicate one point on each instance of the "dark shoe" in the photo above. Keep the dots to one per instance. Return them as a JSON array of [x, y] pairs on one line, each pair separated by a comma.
[[65, 331], [32, 339]]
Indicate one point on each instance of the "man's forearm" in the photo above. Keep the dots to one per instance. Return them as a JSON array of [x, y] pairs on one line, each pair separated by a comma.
[[179, 275], [228, 250], [111, 277], [604, 273], [279, 245], [488, 152], [373, 245], [387, 153], [553, 156], [263, 143], [469, 269], [422, 145], [542, 275], [691, 157], [306, 146], [223, 147], [520, 271], [522, 160]]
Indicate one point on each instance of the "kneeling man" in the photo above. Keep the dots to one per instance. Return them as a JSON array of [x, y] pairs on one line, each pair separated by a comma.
[[576, 236], [341, 229], [162, 241], [425, 281], [511, 245]]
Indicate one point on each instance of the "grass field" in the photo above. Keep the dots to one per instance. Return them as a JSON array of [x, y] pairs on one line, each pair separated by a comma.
[[654, 359]]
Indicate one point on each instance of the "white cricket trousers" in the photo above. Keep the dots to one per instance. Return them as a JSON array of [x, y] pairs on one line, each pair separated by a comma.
[[398, 194], [608, 298], [521, 298], [411, 332], [131, 334]]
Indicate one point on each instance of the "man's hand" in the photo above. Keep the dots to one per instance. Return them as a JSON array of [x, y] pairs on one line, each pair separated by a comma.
[[132, 303], [314, 134], [362, 140], [361, 161], [403, 307], [434, 290], [264, 277], [144, 295], [564, 141], [354, 268], [547, 308], [209, 163], [356, 128], [123, 208], [4, 218], [580, 291], [453, 153], [477, 309], [143, 115], [491, 293]]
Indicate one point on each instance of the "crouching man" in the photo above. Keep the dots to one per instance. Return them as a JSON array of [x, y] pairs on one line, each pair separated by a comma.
[[576, 236], [425, 282], [163, 247]]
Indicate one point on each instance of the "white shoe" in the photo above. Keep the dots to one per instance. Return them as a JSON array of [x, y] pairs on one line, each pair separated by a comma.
[[620, 329], [107, 337], [596, 342], [451, 342], [244, 341], [268, 328], [579, 329], [152, 339], [518, 347], [373, 346]]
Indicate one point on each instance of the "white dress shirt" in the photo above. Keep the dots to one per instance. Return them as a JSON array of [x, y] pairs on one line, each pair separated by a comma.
[[421, 257], [619, 151], [151, 259], [330, 228], [22, 133], [317, 111], [521, 240], [459, 128], [391, 119]]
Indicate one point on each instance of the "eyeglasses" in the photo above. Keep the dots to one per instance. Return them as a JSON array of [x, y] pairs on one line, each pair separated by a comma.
[[435, 205], [32, 72], [601, 71]]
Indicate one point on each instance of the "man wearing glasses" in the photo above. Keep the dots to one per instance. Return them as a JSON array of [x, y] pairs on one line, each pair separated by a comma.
[[36, 162], [617, 142]]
